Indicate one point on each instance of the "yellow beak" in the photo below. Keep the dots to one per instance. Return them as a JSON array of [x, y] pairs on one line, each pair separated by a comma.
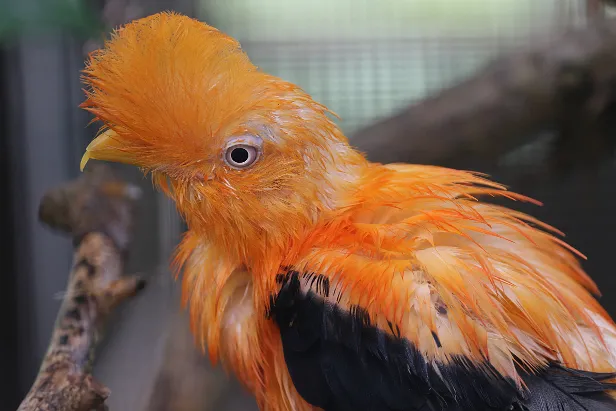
[[107, 146]]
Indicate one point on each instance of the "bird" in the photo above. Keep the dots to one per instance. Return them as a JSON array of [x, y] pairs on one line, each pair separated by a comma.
[[324, 281]]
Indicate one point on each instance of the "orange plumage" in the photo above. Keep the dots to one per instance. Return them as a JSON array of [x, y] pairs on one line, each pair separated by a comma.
[[410, 245]]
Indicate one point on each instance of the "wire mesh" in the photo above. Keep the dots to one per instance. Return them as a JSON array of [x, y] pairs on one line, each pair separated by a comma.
[[366, 59]]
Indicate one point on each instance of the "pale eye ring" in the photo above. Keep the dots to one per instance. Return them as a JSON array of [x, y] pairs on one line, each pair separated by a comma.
[[241, 155]]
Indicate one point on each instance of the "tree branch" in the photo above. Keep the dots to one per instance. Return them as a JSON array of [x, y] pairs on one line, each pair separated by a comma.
[[507, 104], [97, 210]]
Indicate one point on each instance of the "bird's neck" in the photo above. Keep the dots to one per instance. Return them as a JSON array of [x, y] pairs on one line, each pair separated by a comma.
[[270, 240], [337, 178], [335, 183]]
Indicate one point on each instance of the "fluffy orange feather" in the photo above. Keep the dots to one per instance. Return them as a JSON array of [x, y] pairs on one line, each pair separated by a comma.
[[411, 244]]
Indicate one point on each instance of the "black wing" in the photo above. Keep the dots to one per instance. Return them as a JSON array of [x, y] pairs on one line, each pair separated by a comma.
[[339, 361]]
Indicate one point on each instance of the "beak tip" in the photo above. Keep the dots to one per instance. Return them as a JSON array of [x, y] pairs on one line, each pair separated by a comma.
[[108, 147], [84, 161]]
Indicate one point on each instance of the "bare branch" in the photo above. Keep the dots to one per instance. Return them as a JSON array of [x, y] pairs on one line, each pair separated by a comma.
[[97, 210], [507, 104]]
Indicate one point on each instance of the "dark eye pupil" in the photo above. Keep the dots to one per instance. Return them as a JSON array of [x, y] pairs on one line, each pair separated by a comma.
[[239, 155]]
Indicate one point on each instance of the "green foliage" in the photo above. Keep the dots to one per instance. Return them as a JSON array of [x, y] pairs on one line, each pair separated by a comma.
[[39, 16]]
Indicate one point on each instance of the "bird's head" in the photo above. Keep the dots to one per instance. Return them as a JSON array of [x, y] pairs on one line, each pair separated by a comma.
[[248, 158]]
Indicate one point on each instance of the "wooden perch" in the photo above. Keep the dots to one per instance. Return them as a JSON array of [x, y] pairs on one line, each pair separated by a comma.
[[97, 210], [508, 103]]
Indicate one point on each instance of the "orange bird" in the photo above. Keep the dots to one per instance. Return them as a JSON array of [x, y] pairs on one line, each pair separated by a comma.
[[325, 281]]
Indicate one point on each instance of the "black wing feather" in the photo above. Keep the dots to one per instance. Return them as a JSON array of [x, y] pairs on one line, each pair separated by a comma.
[[339, 361], [572, 390]]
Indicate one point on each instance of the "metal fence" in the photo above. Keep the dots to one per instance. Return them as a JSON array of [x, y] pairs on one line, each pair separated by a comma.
[[366, 59]]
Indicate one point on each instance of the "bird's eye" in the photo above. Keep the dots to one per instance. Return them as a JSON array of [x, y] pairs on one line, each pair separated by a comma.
[[241, 155]]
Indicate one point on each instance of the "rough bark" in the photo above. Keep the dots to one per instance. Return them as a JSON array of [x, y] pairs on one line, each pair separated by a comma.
[[97, 210]]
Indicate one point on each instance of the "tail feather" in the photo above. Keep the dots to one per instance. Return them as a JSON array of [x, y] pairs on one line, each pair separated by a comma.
[[563, 389]]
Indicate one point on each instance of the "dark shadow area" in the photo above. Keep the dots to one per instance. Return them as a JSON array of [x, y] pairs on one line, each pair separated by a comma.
[[8, 284]]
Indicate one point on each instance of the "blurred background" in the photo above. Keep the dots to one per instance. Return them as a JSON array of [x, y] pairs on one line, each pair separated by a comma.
[[367, 60]]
